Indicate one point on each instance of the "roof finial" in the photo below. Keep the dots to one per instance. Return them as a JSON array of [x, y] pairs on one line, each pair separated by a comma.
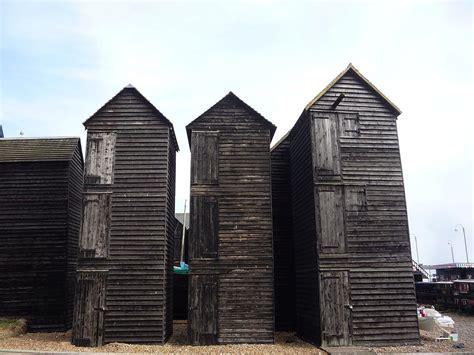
[[129, 86]]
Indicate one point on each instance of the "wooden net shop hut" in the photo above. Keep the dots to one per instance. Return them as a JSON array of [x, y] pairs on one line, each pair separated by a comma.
[[124, 283], [230, 244], [40, 213], [283, 249], [354, 282]]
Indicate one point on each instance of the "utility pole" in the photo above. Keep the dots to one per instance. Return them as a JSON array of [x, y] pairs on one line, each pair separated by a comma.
[[465, 243]]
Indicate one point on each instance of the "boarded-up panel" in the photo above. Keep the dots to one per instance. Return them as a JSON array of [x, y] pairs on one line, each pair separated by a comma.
[[326, 144], [90, 308], [335, 308], [94, 239], [205, 153], [349, 123], [203, 237], [331, 219], [355, 198], [100, 158], [203, 309]]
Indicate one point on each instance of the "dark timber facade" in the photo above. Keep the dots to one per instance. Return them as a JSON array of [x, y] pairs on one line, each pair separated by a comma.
[[354, 283], [230, 250], [283, 250], [40, 213], [124, 282]]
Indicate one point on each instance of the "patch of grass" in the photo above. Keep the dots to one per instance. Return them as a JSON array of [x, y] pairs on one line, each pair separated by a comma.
[[18, 326], [8, 323]]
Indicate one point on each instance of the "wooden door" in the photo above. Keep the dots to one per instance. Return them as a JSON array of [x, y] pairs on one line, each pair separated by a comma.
[[325, 144], [336, 310], [330, 219], [89, 310], [203, 240], [100, 158], [95, 228], [202, 316], [205, 157]]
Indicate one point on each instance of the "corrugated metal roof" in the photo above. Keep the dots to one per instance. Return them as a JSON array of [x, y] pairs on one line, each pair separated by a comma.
[[37, 149]]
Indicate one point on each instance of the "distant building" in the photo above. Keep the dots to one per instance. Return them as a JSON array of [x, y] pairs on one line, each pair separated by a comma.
[[1, 131], [453, 271]]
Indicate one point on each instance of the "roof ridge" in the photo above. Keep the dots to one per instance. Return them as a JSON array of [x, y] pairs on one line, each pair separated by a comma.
[[130, 87], [349, 67]]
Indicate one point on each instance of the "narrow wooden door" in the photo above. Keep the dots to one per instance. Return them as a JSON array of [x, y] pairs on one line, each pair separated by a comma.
[[203, 305], [89, 313], [330, 219], [325, 135], [336, 310]]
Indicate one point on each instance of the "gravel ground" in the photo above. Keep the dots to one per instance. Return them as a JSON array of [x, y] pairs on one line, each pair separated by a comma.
[[464, 326], [286, 343]]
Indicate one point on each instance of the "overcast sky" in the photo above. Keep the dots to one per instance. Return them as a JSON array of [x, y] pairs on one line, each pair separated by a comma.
[[62, 60]]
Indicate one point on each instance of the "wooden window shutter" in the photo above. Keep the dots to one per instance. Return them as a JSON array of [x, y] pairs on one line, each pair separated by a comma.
[[355, 198], [100, 158], [205, 157], [349, 124]]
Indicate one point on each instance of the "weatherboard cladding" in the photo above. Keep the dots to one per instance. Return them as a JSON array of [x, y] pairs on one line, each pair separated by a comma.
[[230, 244], [138, 304], [283, 250], [40, 190], [375, 248]]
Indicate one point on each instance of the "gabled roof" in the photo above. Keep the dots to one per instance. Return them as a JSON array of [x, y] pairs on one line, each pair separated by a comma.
[[282, 139], [131, 89], [351, 68], [38, 149], [232, 96]]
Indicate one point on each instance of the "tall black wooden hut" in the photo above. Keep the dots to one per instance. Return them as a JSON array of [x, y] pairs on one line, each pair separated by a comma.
[[40, 213], [230, 250], [283, 250], [124, 283], [354, 283]]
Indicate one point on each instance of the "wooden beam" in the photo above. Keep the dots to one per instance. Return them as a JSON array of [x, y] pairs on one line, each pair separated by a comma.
[[338, 101]]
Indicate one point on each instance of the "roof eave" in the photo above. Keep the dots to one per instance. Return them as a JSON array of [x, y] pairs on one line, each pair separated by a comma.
[[394, 107]]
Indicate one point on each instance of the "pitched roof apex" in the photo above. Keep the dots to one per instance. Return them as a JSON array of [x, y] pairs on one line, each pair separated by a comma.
[[157, 112], [349, 67]]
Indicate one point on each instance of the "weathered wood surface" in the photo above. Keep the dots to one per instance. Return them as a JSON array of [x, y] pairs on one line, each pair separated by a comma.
[[368, 200], [233, 213], [138, 142], [40, 211], [89, 316], [283, 250], [308, 324]]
